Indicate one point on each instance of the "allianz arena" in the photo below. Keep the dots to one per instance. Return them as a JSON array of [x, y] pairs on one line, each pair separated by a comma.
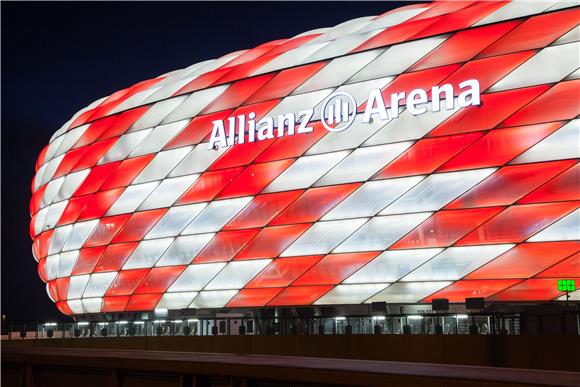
[[136, 206]]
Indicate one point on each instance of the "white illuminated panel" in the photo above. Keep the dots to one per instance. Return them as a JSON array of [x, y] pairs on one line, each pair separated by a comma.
[[305, 171], [216, 215], [53, 215], [184, 249], [158, 138], [156, 113], [168, 192], [456, 262], [392, 18], [77, 285], [195, 277], [381, 232], [195, 103], [360, 90], [147, 253], [297, 103], [51, 190], [408, 292], [322, 237], [51, 266], [50, 169], [131, 198], [552, 64], [66, 262], [52, 148], [562, 144], [351, 138], [76, 306], [410, 127], [398, 58], [59, 237], [342, 46], [567, 228], [70, 184], [391, 265], [198, 160], [571, 36], [337, 71], [123, 146], [237, 274], [135, 100], [372, 197], [175, 220], [70, 138], [436, 191], [92, 305], [176, 300], [39, 219], [362, 163], [79, 234], [212, 299], [98, 284], [514, 10], [343, 29], [163, 163], [350, 294], [290, 58]]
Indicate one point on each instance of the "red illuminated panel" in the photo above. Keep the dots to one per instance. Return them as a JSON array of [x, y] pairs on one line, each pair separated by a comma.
[[532, 290], [243, 70], [115, 257], [254, 179], [41, 244], [106, 230], [94, 154], [225, 245], [73, 209], [262, 209], [61, 285], [208, 185], [241, 154], [536, 32], [159, 279], [253, 297], [334, 268], [292, 43], [238, 93], [36, 200], [51, 287], [314, 203], [139, 302], [69, 160], [445, 228], [518, 223], [283, 271], [494, 108], [460, 19], [292, 146], [285, 82], [64, 308], [510, 183], [100, 203], [500, 146], [41, 269], [460, 290], [271, 241], [396, 34], [427, 155], [126, 172], [87, 260], [96, 178], [123, 122], [126, 282], [301, 295], [558, 103], [563, 187], [95, 131], [114, 304], [464, 45], [202, 81], [254, 53], [489, 70], [139, 225], [567, 268], [197, 129], [526, 260]]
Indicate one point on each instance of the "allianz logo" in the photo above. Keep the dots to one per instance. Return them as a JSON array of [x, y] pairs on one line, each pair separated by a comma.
[[338, 112]]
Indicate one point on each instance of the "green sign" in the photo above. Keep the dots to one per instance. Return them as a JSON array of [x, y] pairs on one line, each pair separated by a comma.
[[566, 285]]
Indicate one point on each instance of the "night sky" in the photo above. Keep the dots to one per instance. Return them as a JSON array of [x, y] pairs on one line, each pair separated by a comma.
[[59, 57]]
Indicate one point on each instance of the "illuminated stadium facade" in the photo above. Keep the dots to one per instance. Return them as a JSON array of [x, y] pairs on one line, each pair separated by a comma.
[[187, 191]]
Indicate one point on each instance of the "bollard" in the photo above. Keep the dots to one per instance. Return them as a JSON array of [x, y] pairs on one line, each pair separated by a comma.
[[438, 329], [321, 329], [377, 329], [406, 329]]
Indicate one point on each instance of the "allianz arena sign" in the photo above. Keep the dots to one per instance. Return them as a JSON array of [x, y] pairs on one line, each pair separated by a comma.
[[338, 111], [428, 152]]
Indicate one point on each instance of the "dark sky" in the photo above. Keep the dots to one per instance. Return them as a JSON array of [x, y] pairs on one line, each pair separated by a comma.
[[59, 57]]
